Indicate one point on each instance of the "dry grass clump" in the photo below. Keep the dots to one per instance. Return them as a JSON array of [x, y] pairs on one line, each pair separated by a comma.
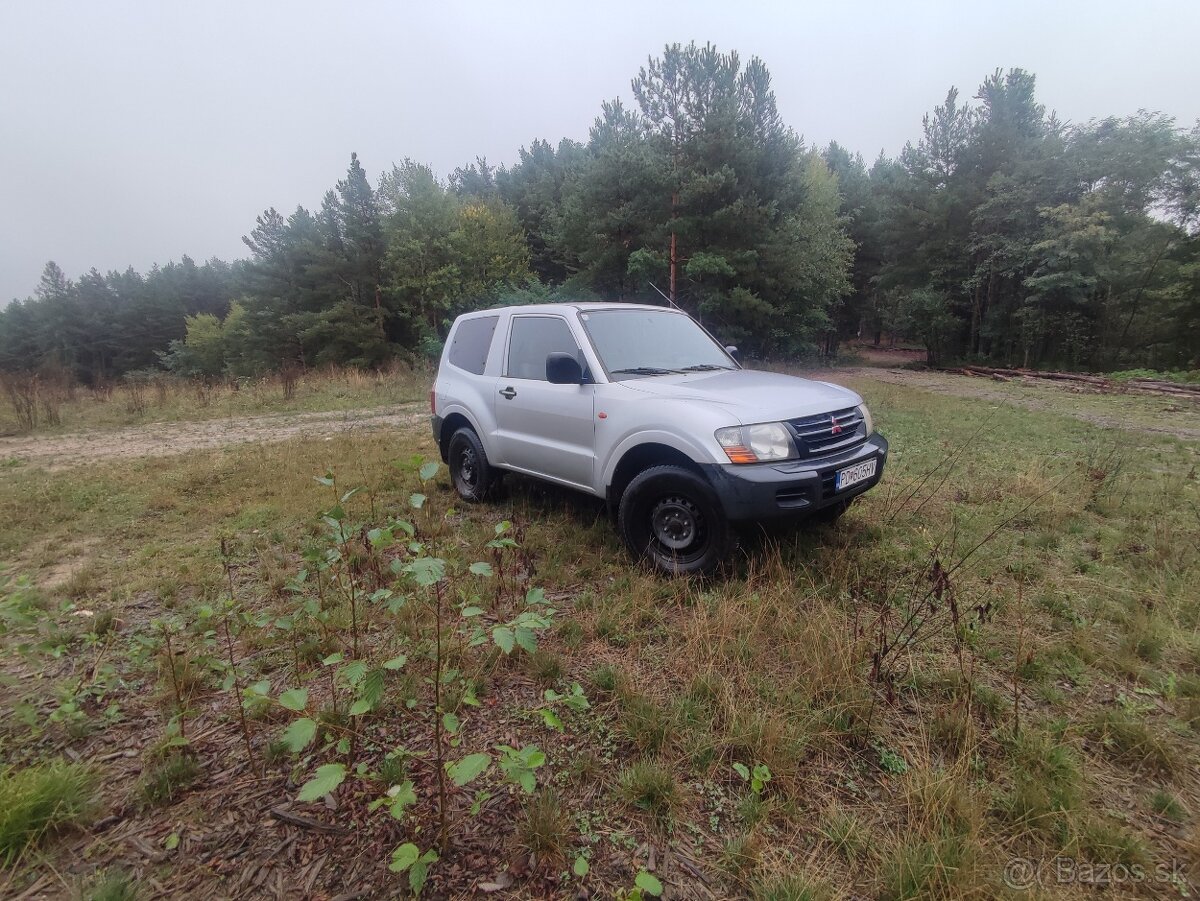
[[1127, 737]]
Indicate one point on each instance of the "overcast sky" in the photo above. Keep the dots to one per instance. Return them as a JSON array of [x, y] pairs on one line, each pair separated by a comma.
[[132, 133]]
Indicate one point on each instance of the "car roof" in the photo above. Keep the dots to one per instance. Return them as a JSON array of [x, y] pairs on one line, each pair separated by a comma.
[[561, 308]]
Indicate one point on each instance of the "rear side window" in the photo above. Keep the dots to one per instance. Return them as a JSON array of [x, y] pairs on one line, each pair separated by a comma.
[[533, 339], [469, 347]]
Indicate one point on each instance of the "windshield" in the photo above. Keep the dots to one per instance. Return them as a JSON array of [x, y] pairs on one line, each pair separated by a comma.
[[637, 343]]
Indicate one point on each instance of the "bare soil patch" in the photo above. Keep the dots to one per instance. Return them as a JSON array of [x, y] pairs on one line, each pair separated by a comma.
[[165, 439]]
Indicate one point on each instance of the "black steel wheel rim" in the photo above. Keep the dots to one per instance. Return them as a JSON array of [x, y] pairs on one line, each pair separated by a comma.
[[677, 529], [468, 467]]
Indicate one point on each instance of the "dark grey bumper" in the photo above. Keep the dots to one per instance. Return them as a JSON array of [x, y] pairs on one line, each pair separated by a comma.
[[796, 488]]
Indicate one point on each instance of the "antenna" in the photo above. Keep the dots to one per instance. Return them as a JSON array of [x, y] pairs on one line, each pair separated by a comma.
[[664, 297]]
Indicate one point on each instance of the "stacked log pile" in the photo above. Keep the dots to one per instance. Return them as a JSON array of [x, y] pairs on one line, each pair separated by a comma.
[[1097, 383]]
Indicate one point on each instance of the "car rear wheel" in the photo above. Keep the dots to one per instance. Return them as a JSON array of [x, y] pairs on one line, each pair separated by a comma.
[[473, 477], [670, 517]]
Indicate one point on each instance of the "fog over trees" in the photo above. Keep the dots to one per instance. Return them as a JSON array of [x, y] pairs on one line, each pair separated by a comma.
[[999, 234]]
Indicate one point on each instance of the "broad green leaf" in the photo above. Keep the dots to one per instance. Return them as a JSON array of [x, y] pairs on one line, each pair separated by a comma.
[[372, 687], [172, 841], [427, 571], [299, 735], [450, 723], [552, 719], [742, 770], [328, 777], [503, 637], [526, 638], [417, 500], [467, 769], [359, 707], [326, 480], [332, 659], [396, 603], [396, 662], [418, 874], [535, 596], [294, 699], [648, 884], [428, 470], [261, 688], [401, 796], [353, 672], [349, 494], [404, 857], [472, 611], [481, 568], [580, 867], [576, 700]]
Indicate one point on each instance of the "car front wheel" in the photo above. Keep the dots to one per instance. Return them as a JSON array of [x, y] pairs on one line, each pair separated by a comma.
[[670, 517]]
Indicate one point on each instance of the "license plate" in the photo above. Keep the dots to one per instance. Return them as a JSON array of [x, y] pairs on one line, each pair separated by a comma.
[[852, 475]]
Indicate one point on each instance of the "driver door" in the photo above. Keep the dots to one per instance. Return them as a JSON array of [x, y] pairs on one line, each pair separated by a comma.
[[544, 429]]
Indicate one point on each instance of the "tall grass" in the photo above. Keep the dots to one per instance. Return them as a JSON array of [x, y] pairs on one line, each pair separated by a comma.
[[42, 799], [32, 402]]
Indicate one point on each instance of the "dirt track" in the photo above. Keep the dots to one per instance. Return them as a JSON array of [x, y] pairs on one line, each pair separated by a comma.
[[166, 438], [1180, 419]]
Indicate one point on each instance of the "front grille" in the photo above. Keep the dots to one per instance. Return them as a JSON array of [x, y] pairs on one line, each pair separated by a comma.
[[828, 433]]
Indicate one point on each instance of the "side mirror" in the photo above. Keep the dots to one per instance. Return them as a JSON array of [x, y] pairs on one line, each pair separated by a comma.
[[563, 369], [735, 353]]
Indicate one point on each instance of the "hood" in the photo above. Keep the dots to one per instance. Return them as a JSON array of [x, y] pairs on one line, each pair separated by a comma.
[[749, 395]]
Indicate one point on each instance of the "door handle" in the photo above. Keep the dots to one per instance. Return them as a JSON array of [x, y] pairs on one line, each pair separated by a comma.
[[510, 392]]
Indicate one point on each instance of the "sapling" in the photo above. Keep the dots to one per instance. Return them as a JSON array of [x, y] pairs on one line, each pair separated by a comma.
[[166, 630], [233, 670]]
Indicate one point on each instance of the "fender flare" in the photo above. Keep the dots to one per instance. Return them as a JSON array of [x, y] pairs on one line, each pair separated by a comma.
[[484, 435], [652, 436]]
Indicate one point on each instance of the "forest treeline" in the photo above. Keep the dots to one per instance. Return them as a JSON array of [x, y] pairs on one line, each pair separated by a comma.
[[1001, 235]]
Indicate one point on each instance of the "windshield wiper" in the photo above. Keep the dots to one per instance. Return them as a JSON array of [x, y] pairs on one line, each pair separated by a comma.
[[646, 370], [705, 367]]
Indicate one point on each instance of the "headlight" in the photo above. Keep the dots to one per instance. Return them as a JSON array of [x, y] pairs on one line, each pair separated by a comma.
[[867, 421], [756, 443]]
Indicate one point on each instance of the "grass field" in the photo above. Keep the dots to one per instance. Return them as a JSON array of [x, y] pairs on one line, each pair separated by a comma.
[[993, 657], [163, 398]]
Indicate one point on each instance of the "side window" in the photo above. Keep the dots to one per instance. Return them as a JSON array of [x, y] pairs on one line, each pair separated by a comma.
[[472, 338], [533, 339]]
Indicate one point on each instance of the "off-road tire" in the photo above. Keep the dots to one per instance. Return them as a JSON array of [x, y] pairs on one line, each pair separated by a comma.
[[474, 478], [670, 518]]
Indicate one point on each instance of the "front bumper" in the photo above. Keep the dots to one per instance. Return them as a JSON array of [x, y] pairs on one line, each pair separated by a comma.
[[794, 488]]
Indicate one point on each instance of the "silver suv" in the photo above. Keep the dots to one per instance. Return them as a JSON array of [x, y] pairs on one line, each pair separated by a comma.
[[641, 406]]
